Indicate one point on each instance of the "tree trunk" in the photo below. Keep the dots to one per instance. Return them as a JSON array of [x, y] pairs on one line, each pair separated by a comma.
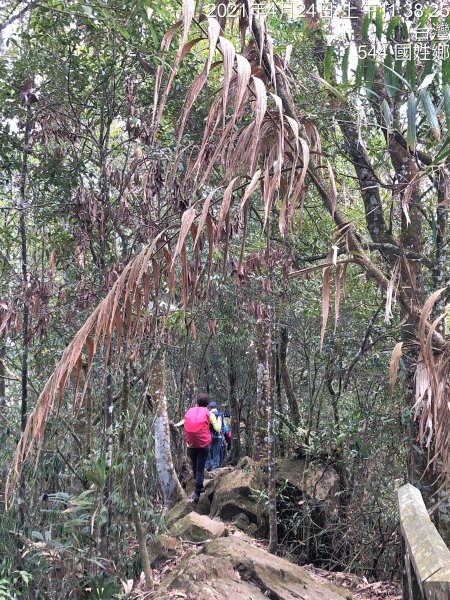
[[260, 442], [234, 409], [140, 533], [124, 407], [109, 431], [26, 308], [168, 479], [285, 377], [2, 378], [88, 448], [272, 482]]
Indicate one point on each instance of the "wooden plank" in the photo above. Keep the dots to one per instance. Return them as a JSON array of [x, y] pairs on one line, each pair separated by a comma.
[[429, 554], [437, 587]]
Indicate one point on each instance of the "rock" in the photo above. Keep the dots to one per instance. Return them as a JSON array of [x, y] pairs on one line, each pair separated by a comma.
[[252, 529], [233, 494], [204, 505], [197, 528], [274, 576], [242, 521], [215, 473], [320, 482], [164, 547], [202, 577], [234, 568], [180, 510]]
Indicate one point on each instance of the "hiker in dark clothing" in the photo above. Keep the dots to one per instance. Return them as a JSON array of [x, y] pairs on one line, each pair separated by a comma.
[[197, 423]]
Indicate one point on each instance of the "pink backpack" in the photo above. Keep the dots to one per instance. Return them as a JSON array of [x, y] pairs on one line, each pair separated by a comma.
[[196, 427]]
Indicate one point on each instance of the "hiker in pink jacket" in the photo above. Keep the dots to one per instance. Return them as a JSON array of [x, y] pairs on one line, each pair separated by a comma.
[[197, 422]]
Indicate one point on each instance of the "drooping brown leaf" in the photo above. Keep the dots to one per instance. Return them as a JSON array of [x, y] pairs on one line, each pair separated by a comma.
[[165, 45], [407, 195], [301, 179], [186, 222], [325, 299], [395, 361], [269, 48], [210, 126], [213, 36], [390, 293], [250, 188], [422, 383], [243, 78], [228, 54], [337, 296], [260, 111], [425, 314], [205, 212], [187, 12], [218, 149], [193, 93], [78, 365], [225, 206]]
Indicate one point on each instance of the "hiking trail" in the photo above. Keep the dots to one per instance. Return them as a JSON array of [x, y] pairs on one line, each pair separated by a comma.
[[212, 548]]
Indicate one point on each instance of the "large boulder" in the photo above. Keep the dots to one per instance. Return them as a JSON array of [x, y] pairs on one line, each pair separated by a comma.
[[180, 510], [197, 528], [275, 576], [235, 568], [234, 492], [319, 482], [200, 577]]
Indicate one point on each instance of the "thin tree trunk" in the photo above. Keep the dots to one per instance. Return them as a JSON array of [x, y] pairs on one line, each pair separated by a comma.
[[168, 479], [106, 112], [88, 431], [140, 533], [234, 409], [2, 378], [260, 449], [285, 377], [124, 407], [109, 407], [191, 388], [272, 483], [26, 309], [279, 396]]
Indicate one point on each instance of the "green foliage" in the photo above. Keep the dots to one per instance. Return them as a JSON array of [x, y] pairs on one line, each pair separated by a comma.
[[15, 586], [99, 589], [98, 477]]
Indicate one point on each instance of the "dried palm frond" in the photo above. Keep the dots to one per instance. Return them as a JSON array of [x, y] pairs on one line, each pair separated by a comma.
[[432, 392], [112, 312], [395, 361]]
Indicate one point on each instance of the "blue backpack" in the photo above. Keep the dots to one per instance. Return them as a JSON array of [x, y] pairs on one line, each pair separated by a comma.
[[226, 422]]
